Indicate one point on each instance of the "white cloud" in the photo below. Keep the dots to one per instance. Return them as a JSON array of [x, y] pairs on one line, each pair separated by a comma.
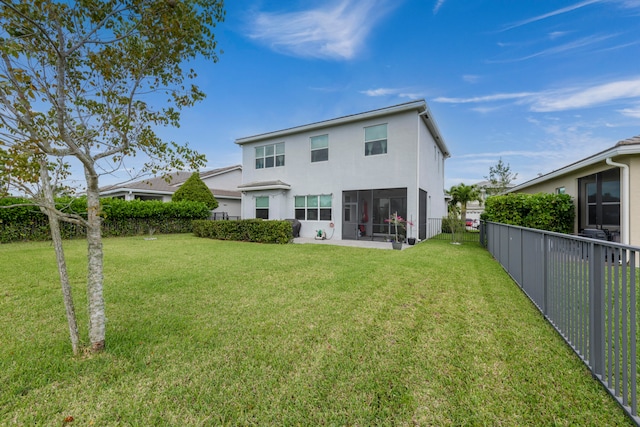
[[576, 44], [619, 46], [564, 99], [557, 34], [470, 78], [410, 95], [438, 5], [586, 97], [486, 110], [631, 112], [559, 146], [487, 98], [402, 93], [379, 92], [551, 14], [570, 142], [489, 156], [334, 31], [630, 4]]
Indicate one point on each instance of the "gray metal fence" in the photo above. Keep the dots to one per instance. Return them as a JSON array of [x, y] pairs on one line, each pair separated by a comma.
[[587, 289]]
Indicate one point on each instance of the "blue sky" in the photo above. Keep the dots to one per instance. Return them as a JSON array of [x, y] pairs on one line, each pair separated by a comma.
[[538, 83]]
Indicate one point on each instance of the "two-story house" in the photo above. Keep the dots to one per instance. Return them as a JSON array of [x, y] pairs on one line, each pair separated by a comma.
[[347, 175]]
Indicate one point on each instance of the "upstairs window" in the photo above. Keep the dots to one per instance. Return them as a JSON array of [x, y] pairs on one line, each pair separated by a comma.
[[313, 208], [268, 156], [319, 148], [375, 140]]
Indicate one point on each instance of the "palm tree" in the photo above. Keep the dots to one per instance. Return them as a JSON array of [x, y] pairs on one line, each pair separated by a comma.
[[463, 194]]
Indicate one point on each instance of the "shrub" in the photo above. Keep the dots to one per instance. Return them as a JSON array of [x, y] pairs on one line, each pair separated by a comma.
[[120, 218], [118, 209], [543, 211], [195, 190], [18, 213], [451, 224], [247, 230]]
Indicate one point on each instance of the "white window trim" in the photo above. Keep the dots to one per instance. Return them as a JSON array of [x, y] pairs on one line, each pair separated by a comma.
[[386, 140], [319, 208], [311, 149], [255, 212], [275, 155]]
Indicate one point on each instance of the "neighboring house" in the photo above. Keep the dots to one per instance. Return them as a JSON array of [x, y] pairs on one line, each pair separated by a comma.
[[605, 188], [475, 208], [345, 176], [223, 183]]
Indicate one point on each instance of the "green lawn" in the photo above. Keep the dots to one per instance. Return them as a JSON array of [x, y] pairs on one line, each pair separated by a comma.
[[204, 332]]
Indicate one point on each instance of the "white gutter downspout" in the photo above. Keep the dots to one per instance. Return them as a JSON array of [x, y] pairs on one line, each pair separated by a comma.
[[416, 194], [624, 202]]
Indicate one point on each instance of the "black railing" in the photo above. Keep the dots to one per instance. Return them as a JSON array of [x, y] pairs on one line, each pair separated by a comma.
[[455, 231]]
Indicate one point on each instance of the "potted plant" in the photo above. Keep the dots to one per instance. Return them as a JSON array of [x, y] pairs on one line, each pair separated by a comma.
[[410, 240], [397, 221]]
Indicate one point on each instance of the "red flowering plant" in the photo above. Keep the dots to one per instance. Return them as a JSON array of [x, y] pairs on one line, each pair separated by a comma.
[[397, 221]]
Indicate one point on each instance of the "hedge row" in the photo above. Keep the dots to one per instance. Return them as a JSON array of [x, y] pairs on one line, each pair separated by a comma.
[[120, 218], [246, 230], [18, 214], [543, 211], [38, 230], [114, 209], [118, 209]]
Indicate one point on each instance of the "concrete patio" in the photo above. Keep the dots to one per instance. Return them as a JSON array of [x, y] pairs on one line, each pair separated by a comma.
[[354, 243]]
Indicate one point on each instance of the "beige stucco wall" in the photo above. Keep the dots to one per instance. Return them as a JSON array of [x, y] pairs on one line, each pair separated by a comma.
[[570, 182]]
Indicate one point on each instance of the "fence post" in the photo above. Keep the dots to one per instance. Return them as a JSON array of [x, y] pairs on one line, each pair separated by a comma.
[[596, 314], [545, 274]]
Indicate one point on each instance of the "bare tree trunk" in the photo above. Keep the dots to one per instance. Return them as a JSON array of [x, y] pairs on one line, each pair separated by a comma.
[[56, 238], [95, 266]]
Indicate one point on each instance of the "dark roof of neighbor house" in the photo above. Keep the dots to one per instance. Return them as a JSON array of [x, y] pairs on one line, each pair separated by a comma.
[[630, 141], [419, 105], [170, 183], [625, 147]]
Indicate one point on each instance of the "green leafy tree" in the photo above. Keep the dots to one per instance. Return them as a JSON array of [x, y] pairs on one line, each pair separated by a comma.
[[462, 194], [87, 83], [500, 178], [195, 190]]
